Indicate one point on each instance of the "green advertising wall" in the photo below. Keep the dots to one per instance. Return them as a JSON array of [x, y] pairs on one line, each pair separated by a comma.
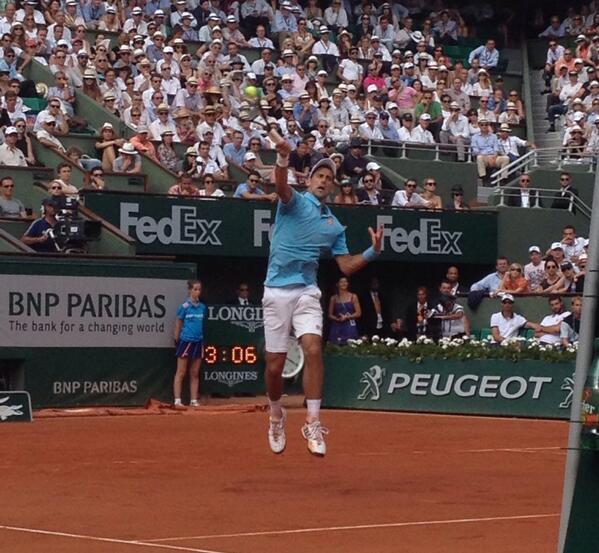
[[525, 389], [228, 227]]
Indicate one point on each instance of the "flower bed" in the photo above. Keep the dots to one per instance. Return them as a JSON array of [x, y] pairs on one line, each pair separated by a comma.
[[515, 349]]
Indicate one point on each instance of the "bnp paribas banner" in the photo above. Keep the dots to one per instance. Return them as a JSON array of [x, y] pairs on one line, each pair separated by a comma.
[[83, 311], [486, 387], [231, 227]]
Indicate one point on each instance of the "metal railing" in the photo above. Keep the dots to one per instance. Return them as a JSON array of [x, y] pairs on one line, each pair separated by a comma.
[[554, 158], [575, 204], [404, 149]]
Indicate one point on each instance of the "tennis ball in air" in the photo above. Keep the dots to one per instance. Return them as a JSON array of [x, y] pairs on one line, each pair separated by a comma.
[[251, 92]]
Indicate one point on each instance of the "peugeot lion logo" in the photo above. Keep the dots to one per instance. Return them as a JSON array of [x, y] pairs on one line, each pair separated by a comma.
[[567, 386], [7, 411], [372, 380]]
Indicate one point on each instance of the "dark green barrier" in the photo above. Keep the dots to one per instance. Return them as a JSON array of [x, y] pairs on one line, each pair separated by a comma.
[[524, 389], [228, 227]]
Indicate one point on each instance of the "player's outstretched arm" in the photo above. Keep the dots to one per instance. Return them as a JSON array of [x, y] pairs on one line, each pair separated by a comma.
[[282, 187], [350, 264]]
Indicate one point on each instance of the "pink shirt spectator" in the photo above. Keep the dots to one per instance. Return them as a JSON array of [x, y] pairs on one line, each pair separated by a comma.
[[404, 97], [378, 81]]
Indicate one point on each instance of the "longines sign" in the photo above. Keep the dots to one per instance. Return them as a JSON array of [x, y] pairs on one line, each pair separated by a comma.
[[240, 228]]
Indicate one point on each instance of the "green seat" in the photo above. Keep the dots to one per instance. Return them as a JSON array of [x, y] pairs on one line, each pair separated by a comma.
[[484, 333], [35, 104]]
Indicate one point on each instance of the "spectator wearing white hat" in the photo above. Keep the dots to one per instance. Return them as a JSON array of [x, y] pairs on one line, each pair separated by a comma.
[[369, 130], [534, 272], [421, 134], [129, 161], [510, 145], [510, 115], [205, 32], [379, 50], [232, 34], [455, 130], [339, 115], [9, 153], [163, 123], [327, 49], [288, 67]]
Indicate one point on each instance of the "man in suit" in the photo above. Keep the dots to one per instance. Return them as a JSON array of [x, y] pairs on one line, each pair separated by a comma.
[[563, 198], [375, 310], [523, 195], [243, 295]]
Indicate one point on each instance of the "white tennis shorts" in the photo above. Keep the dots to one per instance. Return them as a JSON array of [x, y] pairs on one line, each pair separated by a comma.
[[290, 308]]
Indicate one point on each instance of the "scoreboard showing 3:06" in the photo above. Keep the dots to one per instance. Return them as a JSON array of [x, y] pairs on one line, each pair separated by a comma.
[[233, 360]]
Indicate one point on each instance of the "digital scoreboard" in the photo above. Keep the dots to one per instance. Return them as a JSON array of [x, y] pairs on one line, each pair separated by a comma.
[[233, 361]]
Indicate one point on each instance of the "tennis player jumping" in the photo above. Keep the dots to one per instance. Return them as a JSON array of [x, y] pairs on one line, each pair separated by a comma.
[[303, 228]]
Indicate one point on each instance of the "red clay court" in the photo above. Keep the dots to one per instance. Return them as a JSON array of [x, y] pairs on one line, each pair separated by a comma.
[[207, 482]]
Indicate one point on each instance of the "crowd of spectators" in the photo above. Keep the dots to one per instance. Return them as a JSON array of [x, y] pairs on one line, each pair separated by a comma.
[[571, 82], [176, 75]]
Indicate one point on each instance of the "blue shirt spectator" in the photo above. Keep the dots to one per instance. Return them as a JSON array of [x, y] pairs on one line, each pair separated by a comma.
[[93, 10], [485, 144], [285, 21], [487, 55], [491, 282], [235, 151]]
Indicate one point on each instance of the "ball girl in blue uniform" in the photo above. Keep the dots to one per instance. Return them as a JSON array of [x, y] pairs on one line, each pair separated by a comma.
[[189, 334]]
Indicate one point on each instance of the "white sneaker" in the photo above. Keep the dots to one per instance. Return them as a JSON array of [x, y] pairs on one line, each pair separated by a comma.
[[276, 433], [315, 433], [194, 403]]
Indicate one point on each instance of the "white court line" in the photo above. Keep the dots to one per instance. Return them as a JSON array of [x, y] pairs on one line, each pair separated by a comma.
[[108, 540], [442, 415], [357, 527]]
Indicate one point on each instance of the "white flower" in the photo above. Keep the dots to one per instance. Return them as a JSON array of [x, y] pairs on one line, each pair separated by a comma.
[[351, 342], [359, 342], [390, 342], [376, 338], [444, 346]]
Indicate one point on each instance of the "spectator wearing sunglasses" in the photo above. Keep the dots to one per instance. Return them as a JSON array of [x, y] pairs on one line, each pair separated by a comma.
[[250, 190], [9, 205]]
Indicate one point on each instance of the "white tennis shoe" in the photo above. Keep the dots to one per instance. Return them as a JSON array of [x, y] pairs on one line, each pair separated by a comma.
[[315, 433], [276, 433]]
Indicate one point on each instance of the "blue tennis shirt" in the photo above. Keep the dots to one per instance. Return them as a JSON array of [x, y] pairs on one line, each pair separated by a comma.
[[192, 315], [303, 230]]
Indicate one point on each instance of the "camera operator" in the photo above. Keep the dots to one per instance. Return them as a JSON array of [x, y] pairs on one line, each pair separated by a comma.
[[40, 236]]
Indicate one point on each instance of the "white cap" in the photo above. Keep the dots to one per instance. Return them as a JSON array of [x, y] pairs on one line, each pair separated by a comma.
[[557, 245], [408, 65], [507, 297], [168, 50], [534, 249], [372, 88], [214, 17], [186, 15], [325, 29], [287, 53], [594, 83], [10, 130], [251, 76], [136, 11], [50, 119], [373, 166], [425, 117], [249, 156], [578, 60], [391, 105], [322, 73], [231, 19]]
